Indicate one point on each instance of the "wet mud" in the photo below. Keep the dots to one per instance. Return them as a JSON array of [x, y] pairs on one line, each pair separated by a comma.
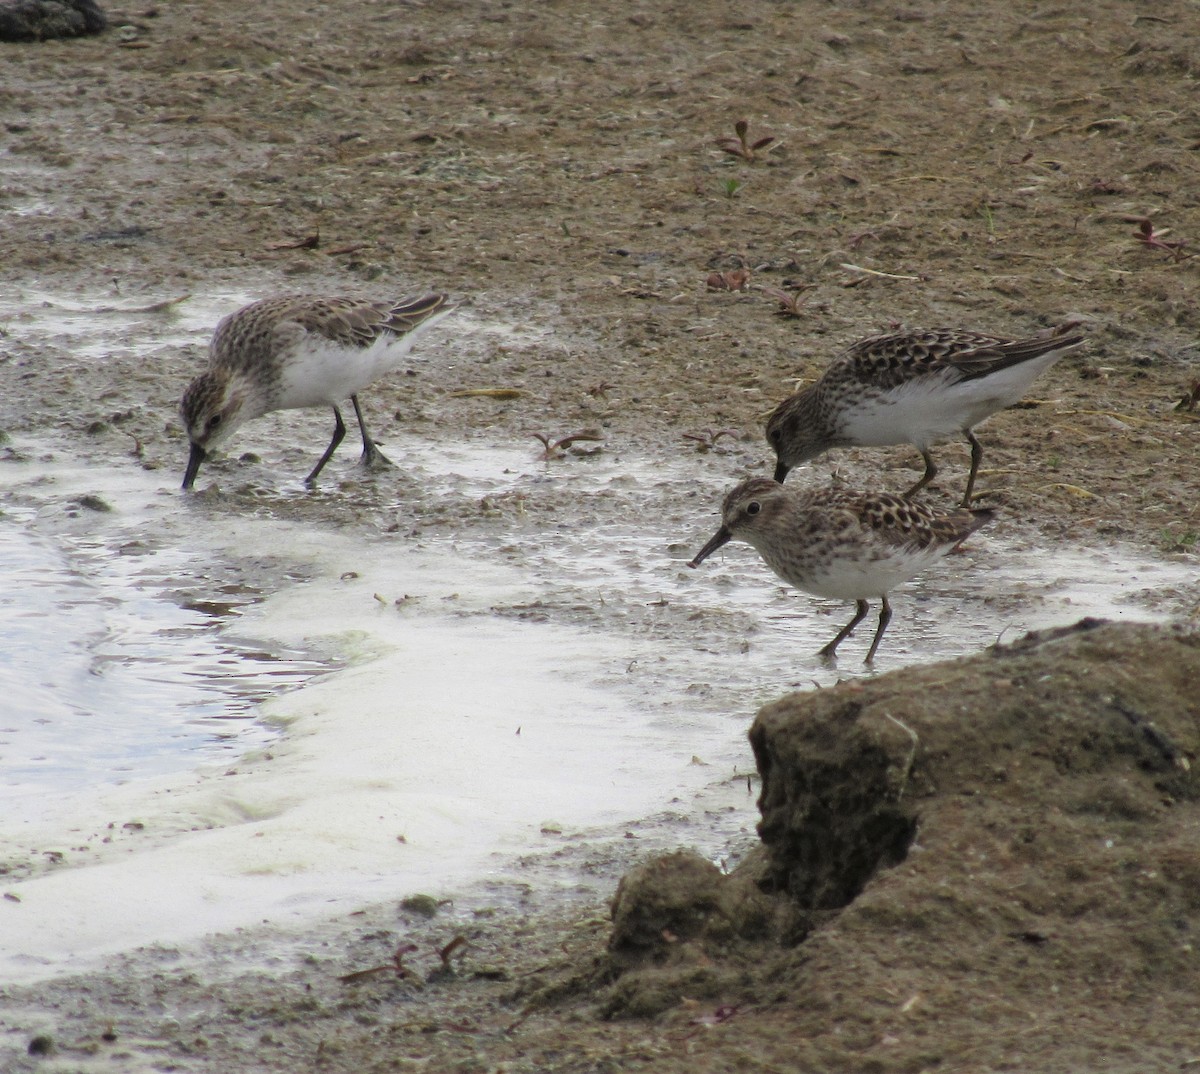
[[1010, 888]]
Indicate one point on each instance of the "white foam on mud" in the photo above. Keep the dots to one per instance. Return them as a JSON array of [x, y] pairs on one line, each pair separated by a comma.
[[455, 741], [451, 744]]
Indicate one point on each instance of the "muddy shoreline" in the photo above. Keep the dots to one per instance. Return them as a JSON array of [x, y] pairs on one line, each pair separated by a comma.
[[557, 171]]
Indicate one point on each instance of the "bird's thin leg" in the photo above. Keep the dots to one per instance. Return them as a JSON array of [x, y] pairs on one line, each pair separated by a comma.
[[371, 455], [930, 472], [976, 459], [339, 431], [830, 650], [885, 617]]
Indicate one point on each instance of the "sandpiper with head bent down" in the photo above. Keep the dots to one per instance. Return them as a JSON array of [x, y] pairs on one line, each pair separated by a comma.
[[841, 544], [298, 351], [912, 388]]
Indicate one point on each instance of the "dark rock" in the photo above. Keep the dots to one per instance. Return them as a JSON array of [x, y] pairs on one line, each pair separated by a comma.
[[40, 20], [42, 1044]]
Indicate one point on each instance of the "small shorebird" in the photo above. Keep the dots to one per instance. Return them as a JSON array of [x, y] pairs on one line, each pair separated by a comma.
[[912, 388], [299, 351], [841, 544]]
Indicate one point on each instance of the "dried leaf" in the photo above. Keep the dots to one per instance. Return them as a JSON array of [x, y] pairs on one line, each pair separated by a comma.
[[309, 242], [488, 393], [732, 280]]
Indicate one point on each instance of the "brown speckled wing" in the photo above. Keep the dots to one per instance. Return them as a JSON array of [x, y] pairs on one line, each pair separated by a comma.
[[889, 360], [406, 314], [358, 323], [907, 523], [275, 325], [345, 321], [985, 360]]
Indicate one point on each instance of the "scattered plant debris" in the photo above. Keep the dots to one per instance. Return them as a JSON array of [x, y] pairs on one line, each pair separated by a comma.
[[1154, 239], [742, 146], [307, 242], [707, 439], [721, 1014], [487, 393], [557, 447], [396, 964], [731, 280], [455, 945], [1190, 399], [790, 302]]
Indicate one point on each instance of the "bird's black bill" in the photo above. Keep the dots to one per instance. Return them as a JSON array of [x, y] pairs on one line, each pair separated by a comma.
[[720, 538], [197, 456], [781, 471]]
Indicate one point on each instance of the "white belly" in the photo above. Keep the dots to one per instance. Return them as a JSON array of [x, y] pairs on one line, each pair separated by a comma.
[[852, 580], [319, 372], [931, 408], [861, 573]]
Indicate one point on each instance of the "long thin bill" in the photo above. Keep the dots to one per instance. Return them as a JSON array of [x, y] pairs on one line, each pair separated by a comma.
[[781, 471], [721, 537], [197, 456]]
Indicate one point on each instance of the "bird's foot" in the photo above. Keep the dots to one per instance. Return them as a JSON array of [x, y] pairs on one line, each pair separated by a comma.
[[374, 459]]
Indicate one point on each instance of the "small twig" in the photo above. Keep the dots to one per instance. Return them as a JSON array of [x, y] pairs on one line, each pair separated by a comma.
[[139, 450], [151, 307], [307, 242], [912, 753], [348, 248], [1130, 419], [445, 952], [397, 964], [876, 272], [709, 437], [1075, 490]]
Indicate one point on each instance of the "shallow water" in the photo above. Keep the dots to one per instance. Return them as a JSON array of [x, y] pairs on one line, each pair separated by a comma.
[[264, 705], [104, 680]]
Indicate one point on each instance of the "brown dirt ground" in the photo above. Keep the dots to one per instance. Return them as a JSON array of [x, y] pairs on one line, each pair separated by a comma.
[[553, 165]]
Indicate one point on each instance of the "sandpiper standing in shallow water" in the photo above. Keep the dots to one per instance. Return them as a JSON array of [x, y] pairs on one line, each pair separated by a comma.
[[912, 388], [841, 544], [299, 351]]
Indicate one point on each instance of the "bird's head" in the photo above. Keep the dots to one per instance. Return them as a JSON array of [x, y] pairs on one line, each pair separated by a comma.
[[794, 433], [211, 408]]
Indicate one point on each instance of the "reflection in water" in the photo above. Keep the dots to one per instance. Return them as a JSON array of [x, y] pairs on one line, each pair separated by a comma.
[[100, 674]]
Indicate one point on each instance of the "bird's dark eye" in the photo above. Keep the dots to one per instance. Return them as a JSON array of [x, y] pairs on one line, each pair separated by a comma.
[[213, 422], [753, 507], [774, 435]]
